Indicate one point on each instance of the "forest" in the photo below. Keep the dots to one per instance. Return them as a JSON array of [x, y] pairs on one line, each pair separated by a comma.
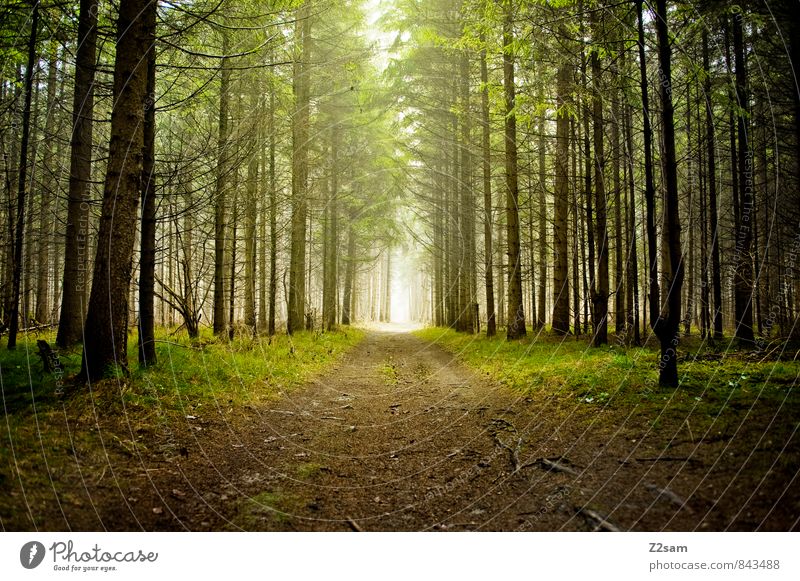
[[399, 265]]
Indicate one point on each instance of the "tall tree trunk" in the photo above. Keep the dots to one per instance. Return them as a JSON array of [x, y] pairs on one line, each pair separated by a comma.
[[654, 300], [221, 193], [263, 218], [576, 237], [107, 315], [690, 197], [147, 260], [11, 176], [300, 82], [600, 294], [561, 205], [466, 214], [716, 276], [232, 255], [619, 267], [532, 201], [386, 294], [516, 313], [743, 281], [22, 180], [48, 193], [331, 237], [588, 285], [438, 252], [666, 327], [273, 219], [633, 254], [541, 310], [349, 276], [491, 322], [250, 246]]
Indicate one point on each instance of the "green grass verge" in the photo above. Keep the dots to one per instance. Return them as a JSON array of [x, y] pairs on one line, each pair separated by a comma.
[[46, 439], [188, 373], [620, 377]]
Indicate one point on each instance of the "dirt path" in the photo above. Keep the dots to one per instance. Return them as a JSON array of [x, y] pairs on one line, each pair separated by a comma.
[[402, 437]]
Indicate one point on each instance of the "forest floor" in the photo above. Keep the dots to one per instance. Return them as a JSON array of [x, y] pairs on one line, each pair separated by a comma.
[[402, 435]]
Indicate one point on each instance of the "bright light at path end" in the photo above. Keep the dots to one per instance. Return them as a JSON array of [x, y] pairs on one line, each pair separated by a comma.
[[401, 302]]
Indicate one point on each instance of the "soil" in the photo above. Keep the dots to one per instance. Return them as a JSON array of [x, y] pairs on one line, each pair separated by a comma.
[[399, 436]]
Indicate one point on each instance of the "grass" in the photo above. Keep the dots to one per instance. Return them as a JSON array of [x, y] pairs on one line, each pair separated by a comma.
[[269, 508], [389, 372], [620, 377], [49, 441], [188, 373]]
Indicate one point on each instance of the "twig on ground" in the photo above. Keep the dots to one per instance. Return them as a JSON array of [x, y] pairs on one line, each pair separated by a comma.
[[669, 495], [354, 525], [557, 464], [600, 521]]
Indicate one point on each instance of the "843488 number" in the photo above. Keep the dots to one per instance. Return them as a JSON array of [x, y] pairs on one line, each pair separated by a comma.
[[756, 564]]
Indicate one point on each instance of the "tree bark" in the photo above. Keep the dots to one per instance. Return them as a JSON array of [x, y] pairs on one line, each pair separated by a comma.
[[619, 266], [516, 313], [743, 277], [576, 237], [250, 246], [22, 180], [667, 325], [633, 254], [561, 295], [147, 260], [107, 315], [541, 307], [331, 238], [649, 188], [600, 294], [221, 322], [300, 82], [273, 219], [716, 276], [349, 276], [49, 193], [491, 322], [466, 212]]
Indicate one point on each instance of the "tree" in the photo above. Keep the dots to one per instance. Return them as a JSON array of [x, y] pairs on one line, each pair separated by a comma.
[[221, 192], [107, 315], [516, 314], [22, 183], [665, 325], [600, 289], [561, 196], [147, 260], [491, 323], [744, 217], [300, 119], [250, 218]]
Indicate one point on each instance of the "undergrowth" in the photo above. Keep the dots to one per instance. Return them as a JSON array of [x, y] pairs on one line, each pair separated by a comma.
[[49, 441], [616, 376]]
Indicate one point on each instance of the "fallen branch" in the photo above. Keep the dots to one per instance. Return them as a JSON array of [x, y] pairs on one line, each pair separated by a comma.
[[669, 495], [499, 424], [354, 525], [552, 465], [600, 521]]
